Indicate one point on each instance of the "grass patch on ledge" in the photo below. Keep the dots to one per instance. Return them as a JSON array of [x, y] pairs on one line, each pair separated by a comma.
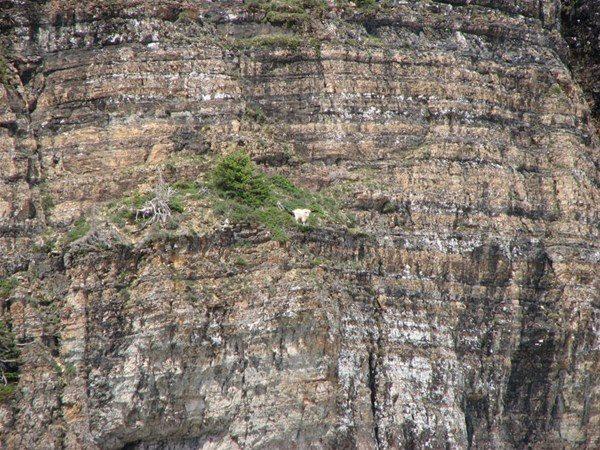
[[246, 195], [234, 190], [288, 13]]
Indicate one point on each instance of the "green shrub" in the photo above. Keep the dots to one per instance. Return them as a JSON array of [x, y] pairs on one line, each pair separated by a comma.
[[236, 177], [70, 370], [241, 261], [176, 204], [286, 185], [7, 391]]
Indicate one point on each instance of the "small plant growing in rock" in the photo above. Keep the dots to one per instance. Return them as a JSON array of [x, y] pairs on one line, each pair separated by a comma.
[[9, 356], [80, 228], [255, 113], [241, 262]]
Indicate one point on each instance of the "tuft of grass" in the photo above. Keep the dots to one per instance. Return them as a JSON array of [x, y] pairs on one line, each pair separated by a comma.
[[187, 188], [46, 199], [70, 370], [241, 262], [365, 6], [288, 13], [176, 204], [187, 15], [318, 262], [47, 202], [80, 229], [556, 90], [7, 391]]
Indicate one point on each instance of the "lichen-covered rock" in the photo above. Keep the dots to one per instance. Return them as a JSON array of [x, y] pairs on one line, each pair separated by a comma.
[[460, 308]]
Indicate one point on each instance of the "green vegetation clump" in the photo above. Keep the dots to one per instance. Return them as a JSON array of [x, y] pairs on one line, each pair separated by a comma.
[[187, 15], [9, 355], [46, 199], [248, 196], [176, 204], [187, 188], [287, 12], [6, 287], [241, 262], [235, 177], [124, 210], [80, 229], [6, 391]]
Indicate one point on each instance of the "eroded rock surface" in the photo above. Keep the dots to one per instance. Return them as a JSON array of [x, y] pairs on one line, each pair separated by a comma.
[[462, 308]]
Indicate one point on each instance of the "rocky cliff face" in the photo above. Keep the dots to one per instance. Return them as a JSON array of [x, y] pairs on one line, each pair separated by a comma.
[[458, 307]]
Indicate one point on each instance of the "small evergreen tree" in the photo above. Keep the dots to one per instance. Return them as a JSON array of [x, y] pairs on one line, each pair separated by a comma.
[[237, 178]]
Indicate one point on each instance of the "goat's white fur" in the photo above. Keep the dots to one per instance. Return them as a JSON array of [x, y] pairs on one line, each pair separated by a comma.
[[301, 215]]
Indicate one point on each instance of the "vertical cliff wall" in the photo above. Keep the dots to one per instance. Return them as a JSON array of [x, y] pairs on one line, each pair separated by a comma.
[[456, 307]]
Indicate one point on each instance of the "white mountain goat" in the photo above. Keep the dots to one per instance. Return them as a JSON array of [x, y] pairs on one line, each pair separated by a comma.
[[301, 215]]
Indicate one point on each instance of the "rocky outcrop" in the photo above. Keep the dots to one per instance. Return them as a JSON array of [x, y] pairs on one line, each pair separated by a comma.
[[460, 308]]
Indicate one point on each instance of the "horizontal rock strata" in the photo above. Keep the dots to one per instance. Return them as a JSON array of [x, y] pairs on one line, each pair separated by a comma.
[[461, 310]]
